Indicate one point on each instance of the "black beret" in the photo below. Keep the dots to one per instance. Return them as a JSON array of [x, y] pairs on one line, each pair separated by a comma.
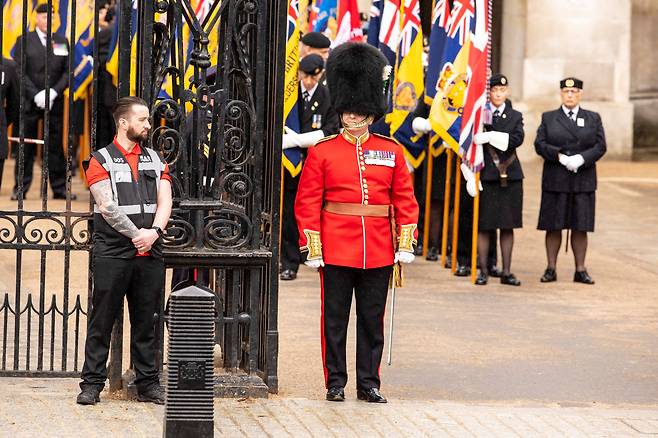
[[42, 8], [498, 79], [311, 64], [316, 40], [571, 82], [355, 77]]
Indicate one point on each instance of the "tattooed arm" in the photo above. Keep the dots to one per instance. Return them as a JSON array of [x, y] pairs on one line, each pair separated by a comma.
[[102, 192]]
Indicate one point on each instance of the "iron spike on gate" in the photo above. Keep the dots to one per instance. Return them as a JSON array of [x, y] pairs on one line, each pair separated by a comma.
[[189, 400]]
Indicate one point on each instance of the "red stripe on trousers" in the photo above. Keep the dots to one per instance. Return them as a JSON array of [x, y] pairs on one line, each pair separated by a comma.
[[322, 340]]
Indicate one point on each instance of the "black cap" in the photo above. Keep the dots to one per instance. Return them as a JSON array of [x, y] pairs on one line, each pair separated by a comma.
[[571, 82], [498, 79], [316, 40], [355, 77], [42, 8], [311, 64]]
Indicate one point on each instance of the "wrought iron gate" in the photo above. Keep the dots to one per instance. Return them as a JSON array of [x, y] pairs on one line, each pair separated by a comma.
[[219, 143]]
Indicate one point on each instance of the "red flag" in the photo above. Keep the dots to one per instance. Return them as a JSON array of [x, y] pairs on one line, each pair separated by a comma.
[[349, 23]]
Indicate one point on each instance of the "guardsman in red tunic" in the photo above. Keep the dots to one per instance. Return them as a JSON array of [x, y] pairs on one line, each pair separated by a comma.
[[354, 186]]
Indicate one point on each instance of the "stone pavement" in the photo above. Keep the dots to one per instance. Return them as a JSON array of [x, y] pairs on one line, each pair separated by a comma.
[[46, 408]]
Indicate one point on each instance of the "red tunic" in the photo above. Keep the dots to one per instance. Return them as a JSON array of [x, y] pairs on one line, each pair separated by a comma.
[[337, 170]]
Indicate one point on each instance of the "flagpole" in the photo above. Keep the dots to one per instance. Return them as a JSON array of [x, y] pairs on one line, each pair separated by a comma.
[[476, 223], [446, 208], [455, 215], [428, 200]]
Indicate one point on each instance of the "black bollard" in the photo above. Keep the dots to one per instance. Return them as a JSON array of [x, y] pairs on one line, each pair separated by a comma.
[[189, 401]]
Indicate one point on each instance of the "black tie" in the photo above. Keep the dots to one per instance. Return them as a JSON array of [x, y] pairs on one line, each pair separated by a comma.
[[496, 114], [307, 98], [571, 116]]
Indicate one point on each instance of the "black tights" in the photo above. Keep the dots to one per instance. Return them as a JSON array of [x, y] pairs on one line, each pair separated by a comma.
[[506, 245], [578, 246]]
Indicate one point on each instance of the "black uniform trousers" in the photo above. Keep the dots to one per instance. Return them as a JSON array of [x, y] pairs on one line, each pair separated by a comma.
[[56, 159], [370, 287], [290, 255], [140, 280]]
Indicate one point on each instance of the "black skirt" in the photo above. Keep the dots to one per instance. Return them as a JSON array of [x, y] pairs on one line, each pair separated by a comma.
[[501, 207], [560, 211]]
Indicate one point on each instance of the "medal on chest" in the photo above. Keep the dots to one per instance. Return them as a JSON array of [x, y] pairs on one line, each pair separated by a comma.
[[379, 158]]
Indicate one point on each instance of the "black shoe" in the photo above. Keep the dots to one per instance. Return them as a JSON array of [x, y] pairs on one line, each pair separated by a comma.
[[582, 277], [62, 195], [549, 275], [462, 270], [14, 196], [371, 395], [418, 251], [336, 393], [88, 396], [448, 264], [509, 279], [495, 272], [288, 274], [432, 254], [482, 279], [155, 394]]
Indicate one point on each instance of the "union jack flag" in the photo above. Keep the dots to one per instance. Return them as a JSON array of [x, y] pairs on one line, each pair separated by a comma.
[[460, 20]]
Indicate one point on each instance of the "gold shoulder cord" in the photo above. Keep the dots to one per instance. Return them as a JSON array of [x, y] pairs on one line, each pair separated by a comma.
[[406, 239], [313, 245]]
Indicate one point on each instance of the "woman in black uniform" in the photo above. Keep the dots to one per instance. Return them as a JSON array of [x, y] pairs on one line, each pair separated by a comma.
[[571, 140], [501, 200]]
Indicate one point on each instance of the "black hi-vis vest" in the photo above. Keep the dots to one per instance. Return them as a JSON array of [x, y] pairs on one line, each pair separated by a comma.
[[137, 199]]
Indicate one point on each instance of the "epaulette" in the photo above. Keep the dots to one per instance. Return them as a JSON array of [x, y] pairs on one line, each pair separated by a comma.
[[327, 138], [386, 137]]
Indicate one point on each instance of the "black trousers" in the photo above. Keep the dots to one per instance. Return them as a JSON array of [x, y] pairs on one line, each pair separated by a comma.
[[370, 287], [140, 280], [290, 255], [2, 170], [56, 159]]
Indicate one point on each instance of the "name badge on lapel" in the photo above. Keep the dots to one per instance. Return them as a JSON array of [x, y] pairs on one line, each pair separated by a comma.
[[317, 121], [60, 49], [580, 122], [379, 158]]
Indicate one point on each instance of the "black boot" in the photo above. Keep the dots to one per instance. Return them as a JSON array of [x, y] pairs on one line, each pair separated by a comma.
[[88, 396]]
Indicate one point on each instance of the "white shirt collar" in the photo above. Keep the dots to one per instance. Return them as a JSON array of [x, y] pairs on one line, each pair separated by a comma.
[[574, 110], [311, 91], [42, 36], [501, 109]]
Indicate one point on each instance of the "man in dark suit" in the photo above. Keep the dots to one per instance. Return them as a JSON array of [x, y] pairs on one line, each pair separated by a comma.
[[9, 106], [571, 140], [317, 119], [41, 95], [501, 201]]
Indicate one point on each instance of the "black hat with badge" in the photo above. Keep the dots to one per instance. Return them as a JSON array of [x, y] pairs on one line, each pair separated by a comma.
[[312, 64], [571, 82], [316, 40], [358, 78], [42, 8], [498, 79]]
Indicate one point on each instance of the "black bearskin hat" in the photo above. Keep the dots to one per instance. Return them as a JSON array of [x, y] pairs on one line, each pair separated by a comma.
[[355, 77]]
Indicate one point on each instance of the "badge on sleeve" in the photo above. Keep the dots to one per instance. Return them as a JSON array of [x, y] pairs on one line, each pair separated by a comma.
[[580, 122]]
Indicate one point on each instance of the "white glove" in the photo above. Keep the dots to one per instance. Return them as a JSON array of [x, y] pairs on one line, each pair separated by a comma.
[[290, 140], [575, 161], [315, 264], [469, 176], [53, 96], [481, 138], [564, 160], [404, 257], [40, 99], [308, 139], [421, 126], [497, 139]]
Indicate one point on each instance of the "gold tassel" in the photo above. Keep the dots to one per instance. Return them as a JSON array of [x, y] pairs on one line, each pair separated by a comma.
[[397, 278]]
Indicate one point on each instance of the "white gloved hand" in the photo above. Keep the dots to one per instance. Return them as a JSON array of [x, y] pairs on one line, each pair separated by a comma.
[[421, 126], [40, 99], [481, 138], [291, 140], [53, 96], [469, 176], [564, 160], [315, 264], [404, 257], [499, 140], [575, 161], [309, 139]]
